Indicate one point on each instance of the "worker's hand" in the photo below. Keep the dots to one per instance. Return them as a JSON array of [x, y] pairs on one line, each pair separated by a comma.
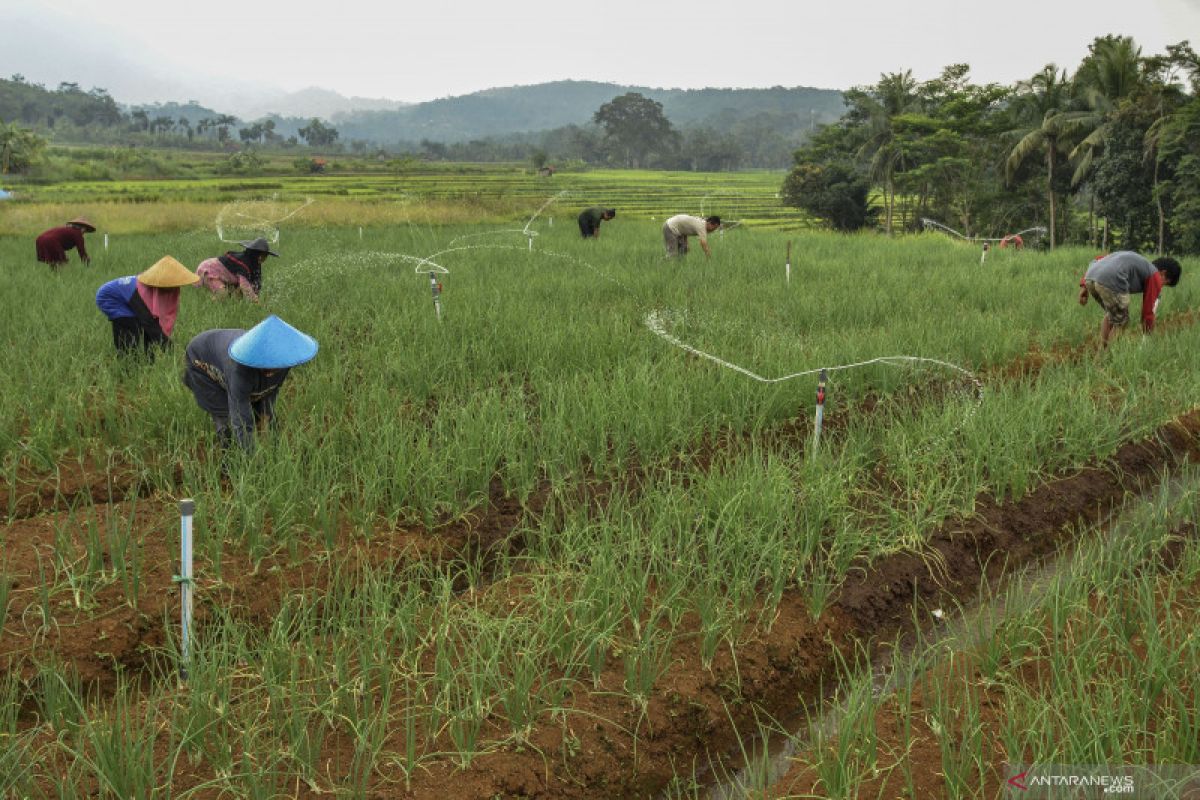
[[1083, 296]]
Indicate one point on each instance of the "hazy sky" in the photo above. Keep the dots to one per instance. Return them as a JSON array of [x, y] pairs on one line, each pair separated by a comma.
[[152, 50]]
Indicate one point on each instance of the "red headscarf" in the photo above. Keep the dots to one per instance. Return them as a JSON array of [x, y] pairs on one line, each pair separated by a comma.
[[163, 304]]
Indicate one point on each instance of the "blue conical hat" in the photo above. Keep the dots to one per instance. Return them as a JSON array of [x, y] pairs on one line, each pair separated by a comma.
[[273, 344]]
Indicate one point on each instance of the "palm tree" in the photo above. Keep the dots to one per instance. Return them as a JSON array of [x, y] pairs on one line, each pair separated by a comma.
[[894, 95], [1167, 100], [1044, 98], [1109, 75]]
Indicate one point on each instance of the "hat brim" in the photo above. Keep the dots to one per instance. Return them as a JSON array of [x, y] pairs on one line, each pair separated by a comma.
[[300, 351], [268, 250], [168, 273], [87, 226]]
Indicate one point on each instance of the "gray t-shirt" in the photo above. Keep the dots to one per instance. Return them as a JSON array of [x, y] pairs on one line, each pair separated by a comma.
[[1124, 271], [225, 388], [687, 225]]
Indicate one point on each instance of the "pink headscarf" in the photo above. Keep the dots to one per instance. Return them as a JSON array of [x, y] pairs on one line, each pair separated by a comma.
[[163, 304]]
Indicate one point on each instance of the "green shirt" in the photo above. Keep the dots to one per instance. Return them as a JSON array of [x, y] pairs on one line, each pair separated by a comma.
[[592, 215]]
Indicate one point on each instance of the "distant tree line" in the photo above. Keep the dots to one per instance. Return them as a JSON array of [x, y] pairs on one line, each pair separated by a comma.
[[70, 114], [1109, 155], [633, 131], [765, 138]]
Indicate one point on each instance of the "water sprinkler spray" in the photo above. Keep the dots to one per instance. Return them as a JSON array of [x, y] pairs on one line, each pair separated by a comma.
[[820, 418], [436, 288]]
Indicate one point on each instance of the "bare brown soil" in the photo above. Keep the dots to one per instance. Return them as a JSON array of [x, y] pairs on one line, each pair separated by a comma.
[[72, 483]]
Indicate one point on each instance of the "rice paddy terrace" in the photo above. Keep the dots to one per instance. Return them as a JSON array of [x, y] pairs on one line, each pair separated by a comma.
[[748, 197]]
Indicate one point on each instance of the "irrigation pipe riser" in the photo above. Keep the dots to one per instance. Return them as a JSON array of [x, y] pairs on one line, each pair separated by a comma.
[[820, 415], [187, 508], [437, 294], [787, 265]]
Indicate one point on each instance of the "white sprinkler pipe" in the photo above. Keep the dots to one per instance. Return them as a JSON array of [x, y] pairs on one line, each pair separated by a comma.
[[187, 508], [106, 242], [787, 266], [820, 418], [436, 288]]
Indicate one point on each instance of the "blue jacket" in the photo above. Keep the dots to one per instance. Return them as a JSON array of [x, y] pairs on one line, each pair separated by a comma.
[[113, 297]]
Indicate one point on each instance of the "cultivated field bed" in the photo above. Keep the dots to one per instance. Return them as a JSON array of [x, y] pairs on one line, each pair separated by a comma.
[[535, 549]]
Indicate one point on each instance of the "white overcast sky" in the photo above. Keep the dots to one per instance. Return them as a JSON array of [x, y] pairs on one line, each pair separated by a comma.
[[156, 49]]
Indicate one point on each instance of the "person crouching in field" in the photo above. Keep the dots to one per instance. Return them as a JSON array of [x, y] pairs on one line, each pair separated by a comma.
[[235, 375], [52, 245], [143, 307], [1112, 278], [236, 273], [590, 219], [678, 228]]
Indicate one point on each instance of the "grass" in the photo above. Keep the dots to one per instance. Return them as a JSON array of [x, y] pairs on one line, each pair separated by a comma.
[[540, 382]]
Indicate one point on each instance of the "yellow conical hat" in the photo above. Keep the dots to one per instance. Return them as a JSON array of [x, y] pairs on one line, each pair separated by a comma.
[[167, 273]]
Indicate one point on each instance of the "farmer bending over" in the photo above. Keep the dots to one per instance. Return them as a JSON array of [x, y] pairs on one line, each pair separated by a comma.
[[236, 374], [142, 308], [52, 245], [590, 219], [1112, 278], [678, 228], [235, 273]]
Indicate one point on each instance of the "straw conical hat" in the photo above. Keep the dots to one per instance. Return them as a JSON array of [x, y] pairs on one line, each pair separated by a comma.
[[167, 273], [273, 344], [83, 223]]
